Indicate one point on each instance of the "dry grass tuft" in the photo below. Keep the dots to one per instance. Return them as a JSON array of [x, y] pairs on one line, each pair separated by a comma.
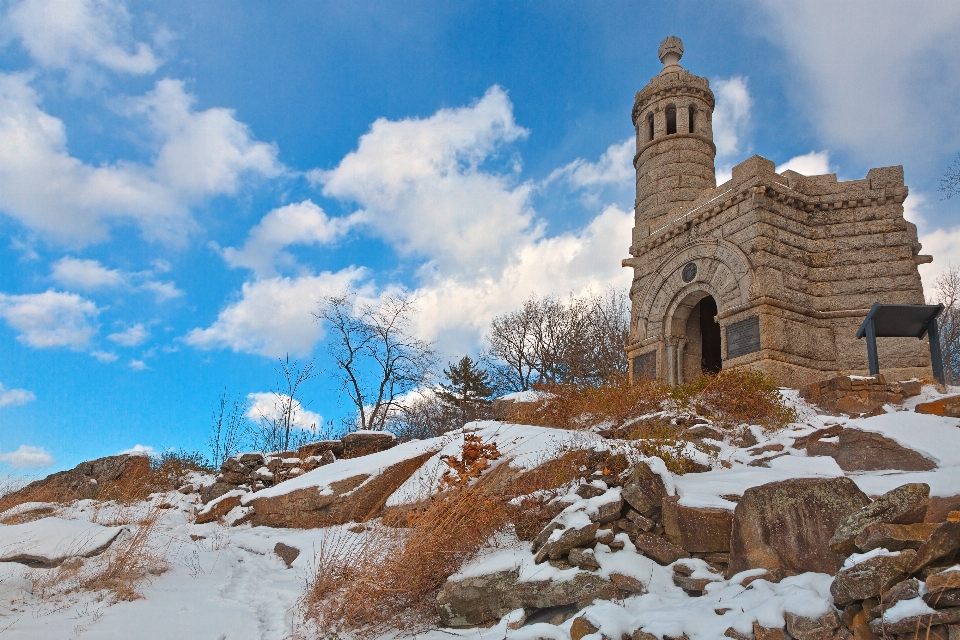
[[388, 578], [735, 397], [132, 559]]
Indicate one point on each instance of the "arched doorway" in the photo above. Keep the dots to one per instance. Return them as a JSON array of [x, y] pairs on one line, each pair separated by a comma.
[[696, 327], [711, 360]]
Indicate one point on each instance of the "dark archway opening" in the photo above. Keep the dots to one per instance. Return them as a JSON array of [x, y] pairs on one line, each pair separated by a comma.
[[711, 360]]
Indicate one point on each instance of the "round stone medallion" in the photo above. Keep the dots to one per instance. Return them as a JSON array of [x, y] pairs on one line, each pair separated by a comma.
[[689, 272]]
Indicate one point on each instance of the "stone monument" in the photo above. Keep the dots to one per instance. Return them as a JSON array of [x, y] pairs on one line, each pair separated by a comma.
[[774, 271]]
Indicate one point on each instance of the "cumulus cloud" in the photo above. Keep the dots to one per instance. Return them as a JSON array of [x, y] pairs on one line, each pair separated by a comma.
[[302, 223], [942, 242], [65, 34], [130, 337], [615, 167], [15, 397], [199, 154], [866, 75], [815, 163], [90, 275], [137, 365], [421, 186], [273, 316], [731, 115], [269, 406], [50, 319], [104, 356], [27, 457]]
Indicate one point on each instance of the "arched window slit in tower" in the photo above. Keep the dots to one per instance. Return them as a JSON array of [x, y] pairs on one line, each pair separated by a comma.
[[650, 125], [692, 111], [671, 120]]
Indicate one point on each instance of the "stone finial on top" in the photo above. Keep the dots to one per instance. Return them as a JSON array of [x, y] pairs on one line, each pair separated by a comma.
[[670, 52]]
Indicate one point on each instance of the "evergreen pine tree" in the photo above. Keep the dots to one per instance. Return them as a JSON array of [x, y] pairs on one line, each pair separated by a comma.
[[467, 388]]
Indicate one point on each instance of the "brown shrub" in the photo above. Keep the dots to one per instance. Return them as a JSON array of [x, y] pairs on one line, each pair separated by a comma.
[[734, 397], [576, 406], [389, 578]]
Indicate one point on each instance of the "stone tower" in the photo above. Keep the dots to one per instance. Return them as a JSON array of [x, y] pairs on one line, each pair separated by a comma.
[[673, 118], [774, 271]]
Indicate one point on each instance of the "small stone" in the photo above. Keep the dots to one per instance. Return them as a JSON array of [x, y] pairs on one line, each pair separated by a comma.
[[870, 577], [544, 535], [701, 431], [607, 512], [913, 623], [659, 549], [764, 633], [627, 583], [907, 504], [644, 491], [904, 590], [644, 523], [617, 545], [217, 509], [943, 542], [327, 458], [570, 538], [894, 537], [943, 599], [581, 627], [588, 491], [944, 580], [803, 628], [733, 633], [584, 559], [287, 553], [643, 635]]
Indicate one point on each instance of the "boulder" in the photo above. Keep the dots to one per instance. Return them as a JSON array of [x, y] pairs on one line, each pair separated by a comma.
[[49, 542], [894, 537], [948, 406], [907, 504], [868, 451], [584, 559], [644, 491], [218, 508], [658, 549], [363, 443], [569, 539], [697, 529], [827, 432], [942, 543], [785, 527], [479, 600], [915, 623], [320, 448], [943, 599], [351, 499], [870, 577], [944, 580], [903, 590], [803, 628], [608, 512], [214, 491], [102, 478]]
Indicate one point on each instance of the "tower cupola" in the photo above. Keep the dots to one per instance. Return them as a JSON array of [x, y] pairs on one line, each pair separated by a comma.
[[673, 119]]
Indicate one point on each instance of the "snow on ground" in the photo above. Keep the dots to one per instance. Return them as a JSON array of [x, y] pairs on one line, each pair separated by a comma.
[[222, 582], [52, 540]]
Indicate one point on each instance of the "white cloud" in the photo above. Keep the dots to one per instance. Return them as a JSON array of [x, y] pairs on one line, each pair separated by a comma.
[[138, 365], [869, 76], [51, 318], [815, 163], [138, 450], [15, 397], [731, 115], [104, 356], [90, 275], [130, 337], [199, 154], [572, 262], [273, 317], [27, 457], [421, 187], [941, 243], [63, 34], [301, 223], [269, 406], [85, 274], [615, 167]]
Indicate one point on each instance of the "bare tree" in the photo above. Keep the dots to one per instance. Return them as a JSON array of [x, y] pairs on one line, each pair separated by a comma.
[[378, 358], [226, 430], [273, 432], [549, 340], [950, 181], [947, 289]]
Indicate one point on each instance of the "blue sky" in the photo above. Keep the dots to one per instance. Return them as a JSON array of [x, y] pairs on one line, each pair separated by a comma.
[[180, 182]]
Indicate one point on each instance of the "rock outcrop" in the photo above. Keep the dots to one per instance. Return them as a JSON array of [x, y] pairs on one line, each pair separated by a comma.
[[868, 451], [107, 477], [785, 527], [907, 504]]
